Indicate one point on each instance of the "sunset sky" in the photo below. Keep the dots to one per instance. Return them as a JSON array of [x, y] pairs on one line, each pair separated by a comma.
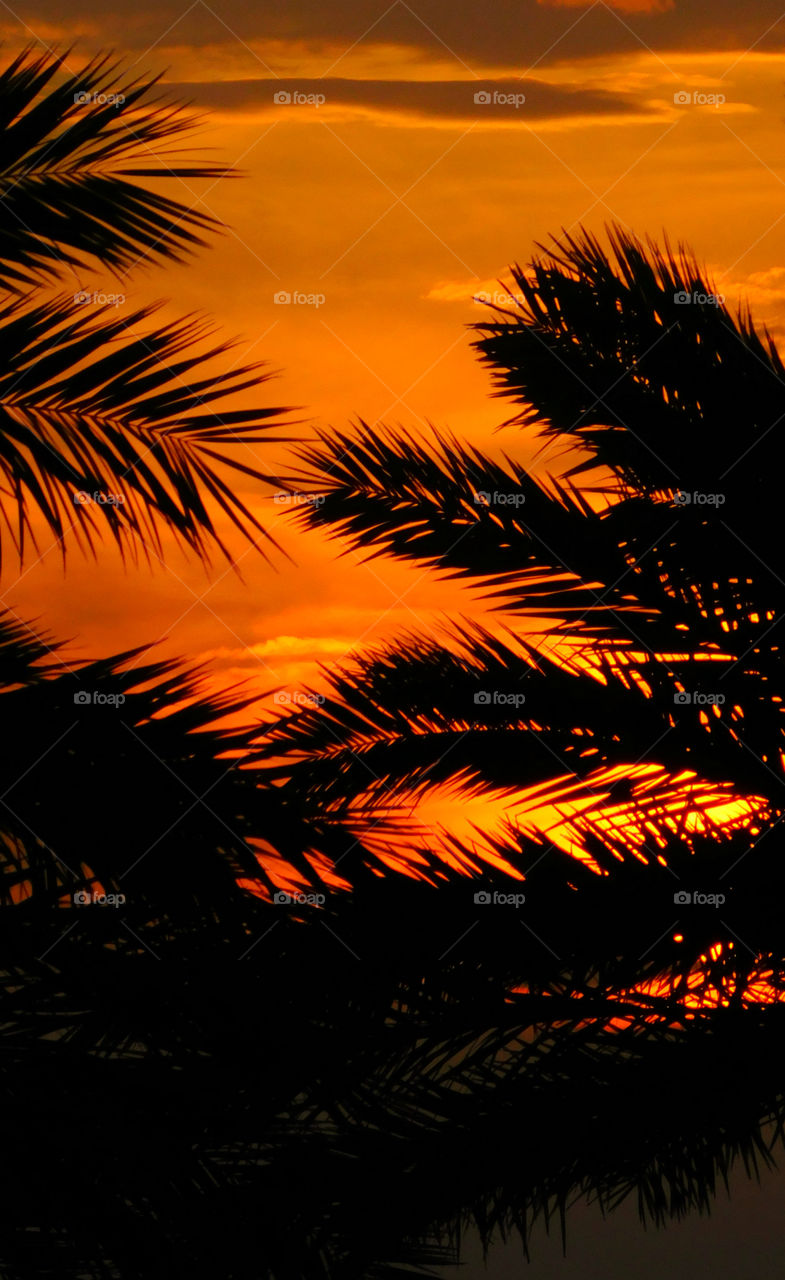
[[398, 198], [395, 159]]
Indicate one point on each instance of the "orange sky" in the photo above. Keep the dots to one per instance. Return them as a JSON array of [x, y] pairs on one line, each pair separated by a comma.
[[398, 198]]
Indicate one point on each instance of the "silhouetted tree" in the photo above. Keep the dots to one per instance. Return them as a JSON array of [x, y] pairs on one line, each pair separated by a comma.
[[199, 1079], [654, 562]]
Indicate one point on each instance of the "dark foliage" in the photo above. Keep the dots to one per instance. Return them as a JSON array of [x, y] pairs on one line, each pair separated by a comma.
[[202, 1080]]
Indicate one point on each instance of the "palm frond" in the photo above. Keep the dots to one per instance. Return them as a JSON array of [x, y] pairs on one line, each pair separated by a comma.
[[633, 355], [635, 571], [496, 713], [601, 347], [27, 655], [445, 504], [70, 144], [103, 424], [118, 729]]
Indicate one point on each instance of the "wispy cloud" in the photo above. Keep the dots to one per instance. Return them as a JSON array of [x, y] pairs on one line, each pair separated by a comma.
[[479, 102]]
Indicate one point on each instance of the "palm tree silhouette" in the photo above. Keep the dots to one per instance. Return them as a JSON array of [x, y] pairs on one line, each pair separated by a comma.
[[93, 403], [663, 615], [118, 770], [110, 426], [203, 1079], [659, 581]]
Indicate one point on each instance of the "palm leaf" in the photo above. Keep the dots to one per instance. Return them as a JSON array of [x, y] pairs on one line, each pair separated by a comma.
[[385, 491], [487, 713], [118, 729], [601, 348], [103, 424], [71, 143], [633, 570]]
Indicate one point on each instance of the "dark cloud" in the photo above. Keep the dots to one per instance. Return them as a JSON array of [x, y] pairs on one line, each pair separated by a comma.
[[512, 33], [470, 100]]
